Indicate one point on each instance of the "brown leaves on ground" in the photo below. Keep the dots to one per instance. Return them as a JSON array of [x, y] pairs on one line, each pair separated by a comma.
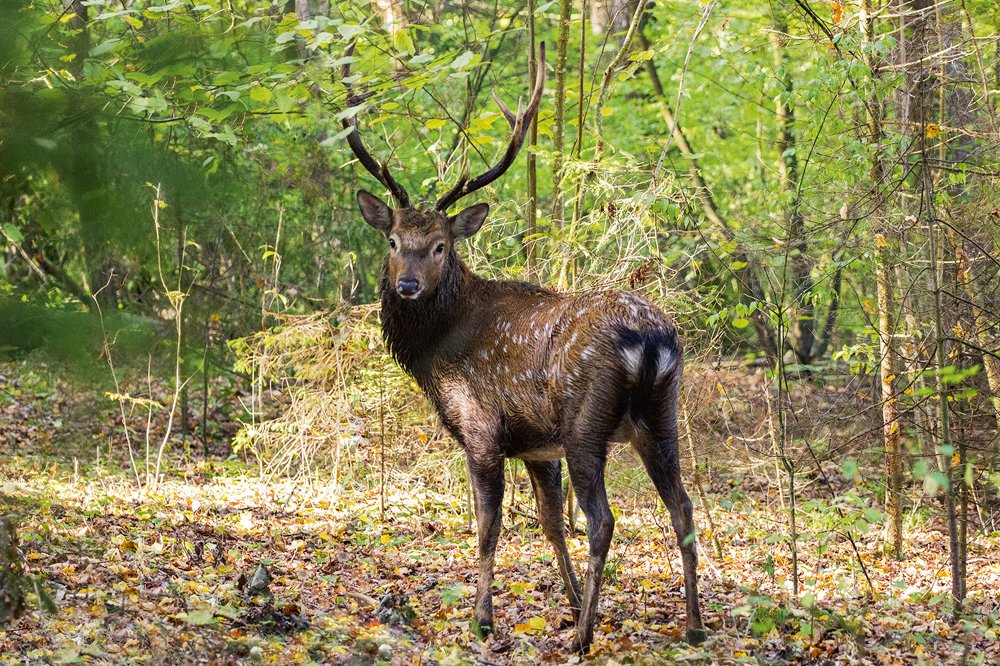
[[164, 579], [217, 566]]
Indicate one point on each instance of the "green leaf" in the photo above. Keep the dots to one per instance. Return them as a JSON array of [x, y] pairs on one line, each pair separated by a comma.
[[462, 60], [350, 30], [284, 102], [850, 468], [403, 42], [45, 600], [741, 323], [12, 233], [435, 123], [197, 618], [228, 611], [933, 481], [336, 138], [452, 594], [261, 94], [106, 46]]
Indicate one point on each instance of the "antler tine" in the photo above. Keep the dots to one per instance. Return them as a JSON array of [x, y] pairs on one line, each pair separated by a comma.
[[519, 124], [504, 110], [380, 171]]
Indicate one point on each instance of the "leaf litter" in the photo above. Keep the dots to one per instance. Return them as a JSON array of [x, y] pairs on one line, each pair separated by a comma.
[[216, 566]]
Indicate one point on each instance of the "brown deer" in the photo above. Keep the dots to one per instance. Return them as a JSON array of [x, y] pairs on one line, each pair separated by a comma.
[[518, 371]]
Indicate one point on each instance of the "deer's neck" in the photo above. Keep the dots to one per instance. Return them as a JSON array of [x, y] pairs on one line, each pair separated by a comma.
[[412, 330]]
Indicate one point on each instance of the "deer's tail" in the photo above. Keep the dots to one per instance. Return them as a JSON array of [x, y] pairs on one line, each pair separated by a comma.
[[651, 361], [649, 358]]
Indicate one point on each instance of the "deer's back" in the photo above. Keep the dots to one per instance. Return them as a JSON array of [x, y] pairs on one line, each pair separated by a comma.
[[522, 359]]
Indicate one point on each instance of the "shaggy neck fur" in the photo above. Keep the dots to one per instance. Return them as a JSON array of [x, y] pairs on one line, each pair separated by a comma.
[[412, 329]]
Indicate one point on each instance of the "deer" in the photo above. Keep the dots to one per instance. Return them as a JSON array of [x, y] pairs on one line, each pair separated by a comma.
[[515, 370]]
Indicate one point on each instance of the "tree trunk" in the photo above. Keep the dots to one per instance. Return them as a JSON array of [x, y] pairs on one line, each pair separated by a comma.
[[803, 323], [392, 14], [531, 235], [559, 121], [875, 116], [608, 15]]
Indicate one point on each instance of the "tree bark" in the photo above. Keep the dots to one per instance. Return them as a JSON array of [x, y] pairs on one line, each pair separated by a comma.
[[875, 116], [803, 321], [559, 121], [531, 236]]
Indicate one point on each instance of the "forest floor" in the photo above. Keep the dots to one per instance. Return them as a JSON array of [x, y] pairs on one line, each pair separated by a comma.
[[176, 574]]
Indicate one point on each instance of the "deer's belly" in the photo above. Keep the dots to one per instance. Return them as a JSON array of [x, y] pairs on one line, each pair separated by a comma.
[[544, 453]]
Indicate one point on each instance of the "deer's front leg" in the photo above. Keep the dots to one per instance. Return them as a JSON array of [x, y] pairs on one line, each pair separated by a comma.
[[486, 474]]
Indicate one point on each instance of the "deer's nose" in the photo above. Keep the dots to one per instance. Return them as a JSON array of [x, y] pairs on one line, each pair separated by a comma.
[[408, 288]]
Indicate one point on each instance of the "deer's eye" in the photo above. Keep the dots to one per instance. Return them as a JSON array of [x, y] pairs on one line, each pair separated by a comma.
[[392, 243], [439, 248]]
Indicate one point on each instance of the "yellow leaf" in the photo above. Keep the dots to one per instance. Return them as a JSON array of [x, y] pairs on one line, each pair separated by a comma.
[[880, 241], [385, 539], [537, 623], [435, 123], [838, 11], [932, 130]]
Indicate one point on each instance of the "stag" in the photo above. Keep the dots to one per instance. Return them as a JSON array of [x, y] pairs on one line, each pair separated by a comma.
[[518, 371]]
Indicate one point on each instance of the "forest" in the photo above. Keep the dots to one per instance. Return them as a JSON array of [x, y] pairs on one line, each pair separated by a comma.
[[234, 429]]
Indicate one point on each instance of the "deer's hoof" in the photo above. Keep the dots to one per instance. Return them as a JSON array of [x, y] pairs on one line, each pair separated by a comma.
[[580, 646], [696, 635], [482, 628]]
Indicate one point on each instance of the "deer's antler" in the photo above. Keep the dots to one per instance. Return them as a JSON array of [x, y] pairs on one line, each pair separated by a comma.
[[519, 124], [380, 171]]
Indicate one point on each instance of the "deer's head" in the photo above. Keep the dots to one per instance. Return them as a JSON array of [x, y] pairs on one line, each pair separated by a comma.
[[421, 239]]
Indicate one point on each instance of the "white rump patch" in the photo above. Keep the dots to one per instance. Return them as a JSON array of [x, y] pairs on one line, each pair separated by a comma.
[[632, 356], [665, 363]]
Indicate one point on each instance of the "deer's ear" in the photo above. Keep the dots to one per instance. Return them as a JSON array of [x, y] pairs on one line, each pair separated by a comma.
[[468, 221], [375, 211]]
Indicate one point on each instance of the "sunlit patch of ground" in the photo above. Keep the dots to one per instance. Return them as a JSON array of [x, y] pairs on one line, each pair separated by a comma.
[[163, 577]]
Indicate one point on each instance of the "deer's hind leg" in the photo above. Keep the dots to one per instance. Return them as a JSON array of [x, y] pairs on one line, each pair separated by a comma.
[[546, 479], [656, 444], [586, 469]]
